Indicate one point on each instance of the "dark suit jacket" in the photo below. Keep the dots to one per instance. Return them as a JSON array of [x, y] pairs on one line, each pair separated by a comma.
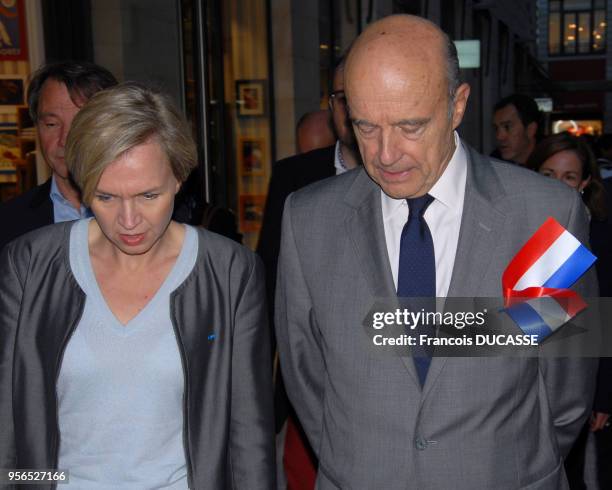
[[601, 244], [29, 211], [288, 175]]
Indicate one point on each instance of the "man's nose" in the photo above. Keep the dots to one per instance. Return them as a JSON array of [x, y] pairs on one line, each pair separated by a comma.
[[63, 136], [390, 151]]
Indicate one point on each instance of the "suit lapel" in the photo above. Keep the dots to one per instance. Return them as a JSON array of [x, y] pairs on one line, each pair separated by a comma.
[[364, 225], [481, 224]]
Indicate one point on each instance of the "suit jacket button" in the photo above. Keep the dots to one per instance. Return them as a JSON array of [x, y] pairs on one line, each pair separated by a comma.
[[420, 443]]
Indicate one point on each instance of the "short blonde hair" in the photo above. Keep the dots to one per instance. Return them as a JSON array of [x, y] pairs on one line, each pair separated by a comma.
[[118, 119]]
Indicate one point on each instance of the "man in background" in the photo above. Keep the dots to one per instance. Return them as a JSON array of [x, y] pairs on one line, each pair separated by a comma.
[[516, 120], [56, 93], [314, 130], [289, 175], [295, 172]]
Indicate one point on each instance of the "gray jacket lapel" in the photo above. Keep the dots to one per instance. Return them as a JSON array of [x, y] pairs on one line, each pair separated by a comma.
[[364, 225], [481, 225]]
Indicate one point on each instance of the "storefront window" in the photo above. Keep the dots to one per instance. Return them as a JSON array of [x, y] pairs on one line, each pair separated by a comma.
[[338, 26], [228, 97], [554, 33], [576, 27], [578, 127], [17, 137], [247, 99]]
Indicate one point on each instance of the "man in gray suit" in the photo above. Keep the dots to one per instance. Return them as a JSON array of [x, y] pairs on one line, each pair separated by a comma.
[[392, 422]]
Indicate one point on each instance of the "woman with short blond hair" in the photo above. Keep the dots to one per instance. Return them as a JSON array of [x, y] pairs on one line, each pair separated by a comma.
[[134, 349]]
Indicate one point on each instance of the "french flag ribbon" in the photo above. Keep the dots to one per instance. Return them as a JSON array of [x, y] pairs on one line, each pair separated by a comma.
[[536, 282]]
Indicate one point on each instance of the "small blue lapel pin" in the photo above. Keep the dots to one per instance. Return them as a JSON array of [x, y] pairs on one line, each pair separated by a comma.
[[212, 336]]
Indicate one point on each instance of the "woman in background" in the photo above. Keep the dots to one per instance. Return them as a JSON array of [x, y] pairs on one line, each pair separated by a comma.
[[570, 160], [134, 350]]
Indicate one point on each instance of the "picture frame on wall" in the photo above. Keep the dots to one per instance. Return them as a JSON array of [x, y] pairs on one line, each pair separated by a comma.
[[252, 156], [12, 93], [13, 36], [251, 98], [9, 153]]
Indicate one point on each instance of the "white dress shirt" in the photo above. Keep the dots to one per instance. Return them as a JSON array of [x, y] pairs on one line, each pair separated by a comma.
[[443, 216], [339, 164]]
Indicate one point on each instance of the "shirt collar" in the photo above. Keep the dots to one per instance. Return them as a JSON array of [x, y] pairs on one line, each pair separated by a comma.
[[448, 190], [339, 164], [55, 193], [450, 187], [63, 210]]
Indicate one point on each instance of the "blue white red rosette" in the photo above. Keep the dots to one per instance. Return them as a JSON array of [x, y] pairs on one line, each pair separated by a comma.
[[537, 280]]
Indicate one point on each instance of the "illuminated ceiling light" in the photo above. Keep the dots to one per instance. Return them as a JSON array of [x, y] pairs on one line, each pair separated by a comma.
[[571, 38], [323, 46], [597, 36], [580, 29], [572, 26], [602, 24]]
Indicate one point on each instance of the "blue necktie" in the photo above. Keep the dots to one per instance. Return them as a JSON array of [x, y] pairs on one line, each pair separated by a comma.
[[416, 276]]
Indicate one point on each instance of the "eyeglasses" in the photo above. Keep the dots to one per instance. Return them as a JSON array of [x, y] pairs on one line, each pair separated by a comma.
[[337, 96]]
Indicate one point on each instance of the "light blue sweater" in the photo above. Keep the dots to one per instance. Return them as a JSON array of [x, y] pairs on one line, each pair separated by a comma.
[[120, 387]]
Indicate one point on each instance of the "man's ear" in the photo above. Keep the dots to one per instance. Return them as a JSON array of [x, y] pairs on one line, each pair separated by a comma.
[[460, 103], [532, 129]]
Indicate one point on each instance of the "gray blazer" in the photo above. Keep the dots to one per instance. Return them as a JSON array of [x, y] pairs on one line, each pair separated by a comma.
[[219, 317], [478, 423]]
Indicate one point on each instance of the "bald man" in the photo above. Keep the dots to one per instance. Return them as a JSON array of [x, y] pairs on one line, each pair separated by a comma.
[[314, 130], [380, 421]]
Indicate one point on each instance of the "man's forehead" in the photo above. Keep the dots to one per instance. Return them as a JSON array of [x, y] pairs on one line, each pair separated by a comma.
[[396, 106], [397, 83], [413, 52], [507, 113], [55, 96]]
